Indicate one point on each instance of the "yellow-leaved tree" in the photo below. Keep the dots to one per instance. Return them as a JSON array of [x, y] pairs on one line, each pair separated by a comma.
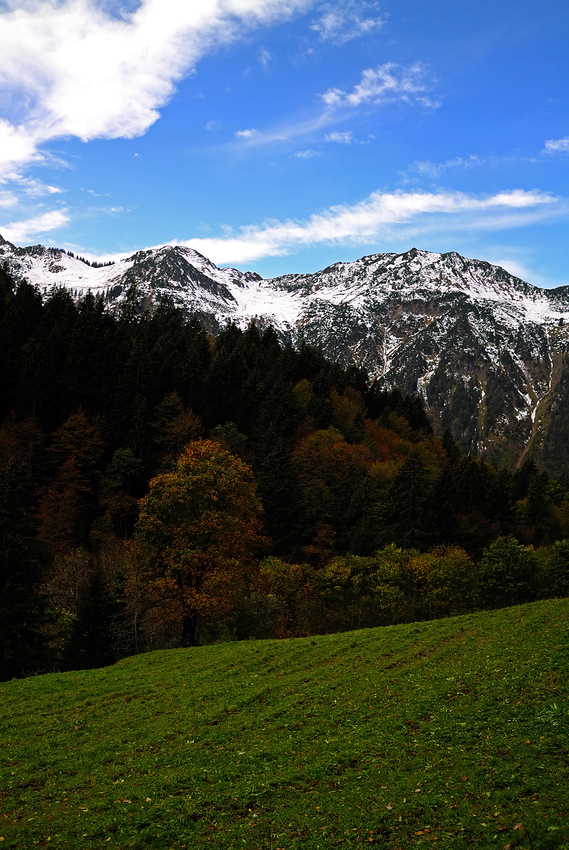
[[198, 536]]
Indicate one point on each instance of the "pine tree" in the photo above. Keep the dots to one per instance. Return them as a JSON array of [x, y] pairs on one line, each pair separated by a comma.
[[507, 573], [94, 636], [21, 560], [409, 517]]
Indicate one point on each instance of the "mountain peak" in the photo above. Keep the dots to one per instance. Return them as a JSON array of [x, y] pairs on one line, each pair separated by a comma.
[[484, 348]]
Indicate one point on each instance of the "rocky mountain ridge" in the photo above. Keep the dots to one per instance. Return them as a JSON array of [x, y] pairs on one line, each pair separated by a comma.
[[487, 351]]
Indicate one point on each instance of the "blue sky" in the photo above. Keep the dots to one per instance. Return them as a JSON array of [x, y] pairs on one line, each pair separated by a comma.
[[284, 135]]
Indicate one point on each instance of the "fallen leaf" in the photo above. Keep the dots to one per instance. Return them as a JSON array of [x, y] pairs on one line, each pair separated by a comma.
[[519, 826]]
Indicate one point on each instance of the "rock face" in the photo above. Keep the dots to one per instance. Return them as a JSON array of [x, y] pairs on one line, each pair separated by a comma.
[[487, 351]]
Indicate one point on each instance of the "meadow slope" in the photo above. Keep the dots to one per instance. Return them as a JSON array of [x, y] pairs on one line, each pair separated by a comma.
[[451, 733]]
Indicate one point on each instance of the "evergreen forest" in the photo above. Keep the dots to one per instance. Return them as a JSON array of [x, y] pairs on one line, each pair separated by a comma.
[[160, 487]]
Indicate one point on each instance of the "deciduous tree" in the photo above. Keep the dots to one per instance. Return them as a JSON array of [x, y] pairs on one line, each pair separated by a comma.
[[199, 532]]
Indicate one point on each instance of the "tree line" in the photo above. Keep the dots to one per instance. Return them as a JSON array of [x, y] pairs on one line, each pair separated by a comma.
[[354, 505]]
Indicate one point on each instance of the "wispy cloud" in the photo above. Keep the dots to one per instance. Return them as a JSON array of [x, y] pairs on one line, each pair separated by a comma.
[[435, 169], [265, 58], [345, 138], [21, 231], [96, 194], [18, 188], [557, 145], [251, 133], [342, 22], [379, 216], [380, 85], [8, 199], [307, 154], [286, 131], [30, 185], [74, 69], [514, 267]]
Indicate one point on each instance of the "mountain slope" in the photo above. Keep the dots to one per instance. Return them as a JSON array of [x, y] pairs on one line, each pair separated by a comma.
[[486, 350]]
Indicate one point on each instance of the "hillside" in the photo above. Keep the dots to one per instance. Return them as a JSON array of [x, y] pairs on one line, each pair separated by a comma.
[[452, 732], [486, 350], [361, 516]]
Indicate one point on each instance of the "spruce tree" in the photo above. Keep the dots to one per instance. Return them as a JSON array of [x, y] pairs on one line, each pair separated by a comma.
[[94, 637], [21, 559], [409, 515]]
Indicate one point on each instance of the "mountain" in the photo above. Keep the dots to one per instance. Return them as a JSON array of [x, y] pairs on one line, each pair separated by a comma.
[[487, 351]]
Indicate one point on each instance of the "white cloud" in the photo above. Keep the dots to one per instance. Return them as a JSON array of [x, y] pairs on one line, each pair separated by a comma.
[[76, 70], [378, 216], [343, 22], [265, 58], [18, 146], [247, 134], [7, 199], [513, 266], [434, 169], [307, 154], [385, 83], [21, 231], [30, 185], [342, 138], [557, 145], [284, 132]]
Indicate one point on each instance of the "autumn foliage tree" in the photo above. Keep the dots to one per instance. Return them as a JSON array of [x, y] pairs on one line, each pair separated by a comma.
[[198, 535]]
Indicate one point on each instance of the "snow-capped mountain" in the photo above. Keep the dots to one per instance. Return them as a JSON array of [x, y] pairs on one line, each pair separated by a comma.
[[487, 351]]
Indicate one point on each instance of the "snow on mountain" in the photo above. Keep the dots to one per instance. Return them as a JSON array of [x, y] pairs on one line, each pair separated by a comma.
[[486, 350]]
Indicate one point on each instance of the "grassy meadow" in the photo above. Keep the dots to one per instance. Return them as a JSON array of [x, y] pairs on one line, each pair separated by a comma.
[[452, 733]]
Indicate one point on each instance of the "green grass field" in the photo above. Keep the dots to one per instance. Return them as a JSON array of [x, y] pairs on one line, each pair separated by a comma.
[[452, 733]]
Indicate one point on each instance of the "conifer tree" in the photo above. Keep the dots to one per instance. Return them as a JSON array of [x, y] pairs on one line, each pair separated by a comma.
[[507, 573], [94, 636], [21, 561], [409, 517]]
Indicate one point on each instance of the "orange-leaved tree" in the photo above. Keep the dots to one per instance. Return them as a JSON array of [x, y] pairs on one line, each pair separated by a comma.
[[198, 534]]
